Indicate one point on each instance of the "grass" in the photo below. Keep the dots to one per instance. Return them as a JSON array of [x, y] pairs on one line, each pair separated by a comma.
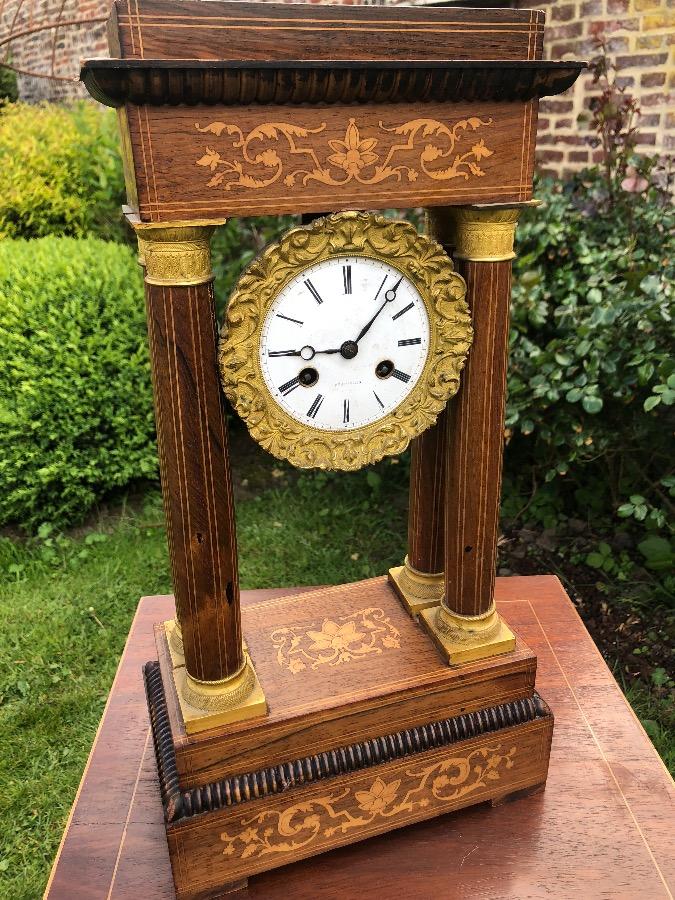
[[66, 603]]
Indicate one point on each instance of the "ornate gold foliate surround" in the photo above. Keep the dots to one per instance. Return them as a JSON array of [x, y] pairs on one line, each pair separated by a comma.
[[397, 243]]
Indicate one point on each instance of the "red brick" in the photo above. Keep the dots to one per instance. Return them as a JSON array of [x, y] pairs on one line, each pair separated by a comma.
[[653, 100], [646, 139], [652, 120], [609, 26], [578, 156], [591, 8], [617, 6], [643, 60], [652, 79], [563, 12], [563, 123], [559, 106], [550, 155], [559, 50], [573, 29]]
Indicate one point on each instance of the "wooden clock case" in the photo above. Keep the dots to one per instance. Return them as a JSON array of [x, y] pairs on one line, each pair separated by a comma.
[[347, 711]]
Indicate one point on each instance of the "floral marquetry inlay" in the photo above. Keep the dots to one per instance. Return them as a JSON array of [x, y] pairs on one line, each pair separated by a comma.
[[315, 820], [366, 154], [334, 641]]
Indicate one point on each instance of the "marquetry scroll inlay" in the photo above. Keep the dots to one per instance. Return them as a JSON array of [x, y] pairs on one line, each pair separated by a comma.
[[332, 642], [350, 809], [366, 154]]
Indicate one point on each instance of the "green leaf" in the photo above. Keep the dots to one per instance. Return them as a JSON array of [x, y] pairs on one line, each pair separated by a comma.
[[657, 551], [651, 402], [592, 404]]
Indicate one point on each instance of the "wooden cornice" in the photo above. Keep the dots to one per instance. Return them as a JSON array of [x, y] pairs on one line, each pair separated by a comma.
[[160, 82]]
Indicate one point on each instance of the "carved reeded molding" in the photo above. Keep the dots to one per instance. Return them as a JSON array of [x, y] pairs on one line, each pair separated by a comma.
[[484, 235], [238, 789], [175, 254], [157, 82]]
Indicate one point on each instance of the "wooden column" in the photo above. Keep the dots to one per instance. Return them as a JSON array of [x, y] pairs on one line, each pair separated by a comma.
[[195, 470], [419, 581], [466, 625]]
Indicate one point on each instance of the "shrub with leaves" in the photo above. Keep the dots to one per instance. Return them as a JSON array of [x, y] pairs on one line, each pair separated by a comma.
[[592, 376], [60, 171], [75, 402]]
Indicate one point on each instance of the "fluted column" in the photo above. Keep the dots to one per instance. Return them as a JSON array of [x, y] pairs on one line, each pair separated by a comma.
[[218, 677], [466, 625]]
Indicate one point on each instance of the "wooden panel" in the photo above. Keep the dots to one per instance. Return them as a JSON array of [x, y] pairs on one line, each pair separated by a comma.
[[239, 30], [212, 849], [340, 665], [221, 161], [602, 828], [196, 480]]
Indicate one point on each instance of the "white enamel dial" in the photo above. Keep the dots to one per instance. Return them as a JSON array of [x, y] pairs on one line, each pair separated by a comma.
[[344, 343]]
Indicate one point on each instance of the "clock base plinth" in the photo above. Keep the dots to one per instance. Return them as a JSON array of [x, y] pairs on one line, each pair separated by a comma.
[[416, 590], [368, 729]]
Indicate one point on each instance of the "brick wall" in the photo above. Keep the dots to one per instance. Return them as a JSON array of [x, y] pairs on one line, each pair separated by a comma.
[[54, 35], [640, 35]]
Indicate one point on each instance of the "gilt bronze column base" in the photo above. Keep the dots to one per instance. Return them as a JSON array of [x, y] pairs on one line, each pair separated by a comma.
[[463, 639]]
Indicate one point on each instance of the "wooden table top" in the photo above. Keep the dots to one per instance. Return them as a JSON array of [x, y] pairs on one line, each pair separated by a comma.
[[603, 828]]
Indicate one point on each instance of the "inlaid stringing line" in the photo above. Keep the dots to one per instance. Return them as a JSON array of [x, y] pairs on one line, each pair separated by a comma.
[[152, 157], [601, 750], [485, 449], [159, 414], [262, 21], [207, 474], [182, 481], [230, 490], [138, 26], [128, 816], [206, 205]]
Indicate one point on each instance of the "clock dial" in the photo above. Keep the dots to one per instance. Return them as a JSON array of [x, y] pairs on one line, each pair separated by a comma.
[[344, 343]]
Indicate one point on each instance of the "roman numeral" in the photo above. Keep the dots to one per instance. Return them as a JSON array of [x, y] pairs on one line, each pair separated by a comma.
[[291, 385], [313, 291], [380, 288], [378, 400], [345, 412], [402, 311], [316, 405], [347, 278], [401, 376], [289, 319], [408, 342]]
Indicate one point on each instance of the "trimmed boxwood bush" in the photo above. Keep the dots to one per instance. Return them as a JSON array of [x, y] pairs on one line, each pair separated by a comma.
[[76, 415], [60, 171]]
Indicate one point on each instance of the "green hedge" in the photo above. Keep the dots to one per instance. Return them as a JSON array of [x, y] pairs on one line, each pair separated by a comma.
[[75, 401], [591, 378], [60, 171]]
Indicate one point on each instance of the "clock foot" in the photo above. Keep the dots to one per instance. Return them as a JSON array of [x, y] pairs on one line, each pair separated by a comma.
[[463, 639], [416, 590]]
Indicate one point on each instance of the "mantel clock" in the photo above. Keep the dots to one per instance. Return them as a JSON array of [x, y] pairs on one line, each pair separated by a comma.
[[286, 728]]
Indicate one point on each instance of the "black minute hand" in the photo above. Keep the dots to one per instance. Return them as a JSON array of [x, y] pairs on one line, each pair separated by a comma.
[[388, 297]]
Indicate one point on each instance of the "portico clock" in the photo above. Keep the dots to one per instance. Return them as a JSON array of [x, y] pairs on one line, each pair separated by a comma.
[[345, 340]]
